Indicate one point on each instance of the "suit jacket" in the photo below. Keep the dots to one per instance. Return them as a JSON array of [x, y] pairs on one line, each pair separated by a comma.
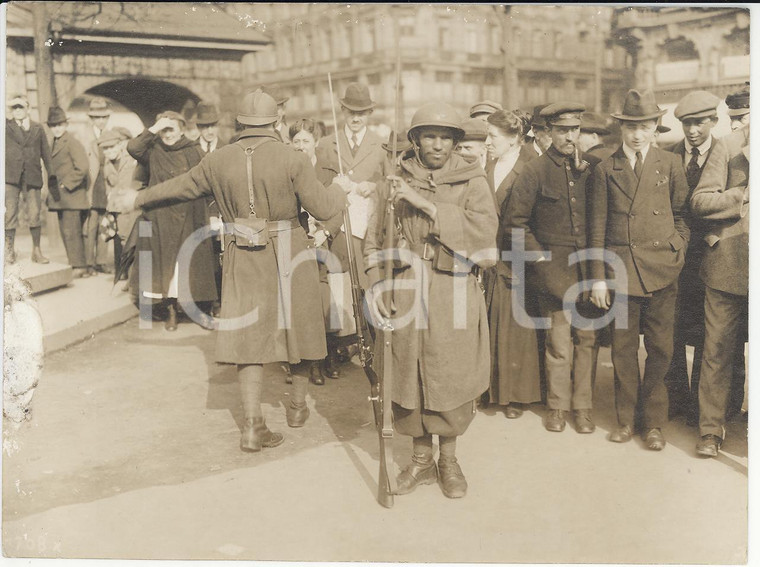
[[549, 201], [96, 191], [527, 151], [23, 151], [600, 151], [70, 166], [642, 221], [722, 199]]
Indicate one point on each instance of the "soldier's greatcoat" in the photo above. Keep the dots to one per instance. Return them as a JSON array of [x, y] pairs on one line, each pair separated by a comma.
[[289, 324], [442, 353]]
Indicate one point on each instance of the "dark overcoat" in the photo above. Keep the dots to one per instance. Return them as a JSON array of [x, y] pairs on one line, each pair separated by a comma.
[[23, 151], [279, 283], [549, 202], [643, 221], [443, 349], [722, 200], [71, 167], [173, 223]]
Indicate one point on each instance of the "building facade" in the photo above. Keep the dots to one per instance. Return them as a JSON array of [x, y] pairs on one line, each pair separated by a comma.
[[455, 53]]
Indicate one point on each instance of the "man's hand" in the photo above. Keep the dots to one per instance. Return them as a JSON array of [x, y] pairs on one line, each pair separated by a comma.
[[124, 200], [600, 295], [403, 192], [160, 124], [365, 188], [345, 183], [215, 224]]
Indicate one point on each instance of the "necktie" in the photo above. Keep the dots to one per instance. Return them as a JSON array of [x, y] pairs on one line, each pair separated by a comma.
[[637, 169], [20, 124], [692, 169], [354, 144]]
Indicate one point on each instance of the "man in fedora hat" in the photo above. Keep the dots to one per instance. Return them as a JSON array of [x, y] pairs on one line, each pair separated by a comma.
[[698, 114], [207, 121], [548, 203], [261, 277], [593, 127], [281, 127], [26, 148], [482, 110], [70, 166], [362, 156], [638, 212], [738, 108], [99, 112], [472, 146]]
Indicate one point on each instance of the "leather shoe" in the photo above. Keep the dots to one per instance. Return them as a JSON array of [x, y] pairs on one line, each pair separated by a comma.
[[296, 415], [583, 421], [622, 434], [79, 273], [555, 420], [103, 269], [512, 411], [709, 445], [453, 483], [37, 256], [315, 376], [328, 369], [257, 435], [414, 475], [654, 439]]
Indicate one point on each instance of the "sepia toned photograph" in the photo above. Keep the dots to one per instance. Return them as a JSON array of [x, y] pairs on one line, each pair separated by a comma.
[[420, 283]]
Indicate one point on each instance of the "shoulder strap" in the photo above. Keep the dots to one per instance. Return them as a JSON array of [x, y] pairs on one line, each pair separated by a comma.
[[249, 167]]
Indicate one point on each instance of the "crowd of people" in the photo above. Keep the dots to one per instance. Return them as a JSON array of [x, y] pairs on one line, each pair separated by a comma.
[[529, 243]]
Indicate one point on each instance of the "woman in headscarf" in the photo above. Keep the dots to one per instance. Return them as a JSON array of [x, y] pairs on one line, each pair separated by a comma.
[[165, 151]]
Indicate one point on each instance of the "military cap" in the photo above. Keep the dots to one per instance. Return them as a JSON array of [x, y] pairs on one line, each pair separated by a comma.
[[484, 107], [257, 109], [593, 123], [563, 113], [56, 115], [206, 113], [697, 104], [474, 130], [738, 102], [18, 100], [639, 107], [98, 108]]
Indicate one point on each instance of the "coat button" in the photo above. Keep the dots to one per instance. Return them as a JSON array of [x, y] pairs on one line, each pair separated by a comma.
[[567, 167], [285, 274], [656, 243], [632, 215], [572, 199], [656, 212], [351, 172], [572, 183], [576, 230], [456, 266]]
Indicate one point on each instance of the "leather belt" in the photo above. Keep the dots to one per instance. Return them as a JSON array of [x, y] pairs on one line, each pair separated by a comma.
[[282, 225], [425, 250]]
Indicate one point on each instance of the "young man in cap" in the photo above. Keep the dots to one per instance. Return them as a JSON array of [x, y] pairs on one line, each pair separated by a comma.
[[472, 146], [593, 127], [698, 114], [738, 108], [548, 203], [721, 199], [70, 166], [441, 362], [26, 147], [638, 208], [362, 156], [284, 180], [99, 113], [482, 110]]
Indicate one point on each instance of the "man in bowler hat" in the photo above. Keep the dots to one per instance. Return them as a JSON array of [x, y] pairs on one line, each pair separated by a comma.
[[207, 121], [638, 210]]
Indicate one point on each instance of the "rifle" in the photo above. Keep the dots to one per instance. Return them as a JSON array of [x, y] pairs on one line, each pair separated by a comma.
[[377, 361]]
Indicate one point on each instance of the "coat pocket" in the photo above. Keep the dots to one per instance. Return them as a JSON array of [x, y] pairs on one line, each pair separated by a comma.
[[676, 242], [549, 193]]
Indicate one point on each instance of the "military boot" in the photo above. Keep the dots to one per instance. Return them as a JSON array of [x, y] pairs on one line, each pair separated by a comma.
[[257, 435], [10, 246], [420, 471], [453, 483], [296, 414]]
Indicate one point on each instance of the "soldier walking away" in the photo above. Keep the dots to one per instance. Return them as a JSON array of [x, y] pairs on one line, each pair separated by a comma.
[[446, 215], [258, 183], [26, 147]]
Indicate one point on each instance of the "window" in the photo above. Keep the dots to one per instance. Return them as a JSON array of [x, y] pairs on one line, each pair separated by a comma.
[[581, 85], [444, 77], [537, 44], [493, 77], [471, 40]]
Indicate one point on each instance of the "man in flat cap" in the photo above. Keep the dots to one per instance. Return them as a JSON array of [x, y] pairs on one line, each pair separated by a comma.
[[738, 108], [698, 114], [593, 127], [548, 204], [26, 148], [472, 147], [638, 210], [482, 110]]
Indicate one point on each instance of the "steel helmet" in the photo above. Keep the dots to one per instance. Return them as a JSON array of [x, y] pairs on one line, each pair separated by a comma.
[[257, 109], [437, 114]]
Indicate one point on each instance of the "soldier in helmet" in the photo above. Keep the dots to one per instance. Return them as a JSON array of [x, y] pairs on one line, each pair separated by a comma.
[[445, 213], [255, 311]]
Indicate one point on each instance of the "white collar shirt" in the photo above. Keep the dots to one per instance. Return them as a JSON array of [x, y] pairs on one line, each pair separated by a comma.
[[504, 165], [359, 135], [630, 153], [208, 147], [703, 149], [538, 149]]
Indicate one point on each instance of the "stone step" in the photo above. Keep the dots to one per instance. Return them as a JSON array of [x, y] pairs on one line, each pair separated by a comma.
[[45, 277]]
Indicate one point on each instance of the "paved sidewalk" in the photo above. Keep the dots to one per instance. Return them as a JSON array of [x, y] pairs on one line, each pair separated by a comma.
[[132, 452]]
